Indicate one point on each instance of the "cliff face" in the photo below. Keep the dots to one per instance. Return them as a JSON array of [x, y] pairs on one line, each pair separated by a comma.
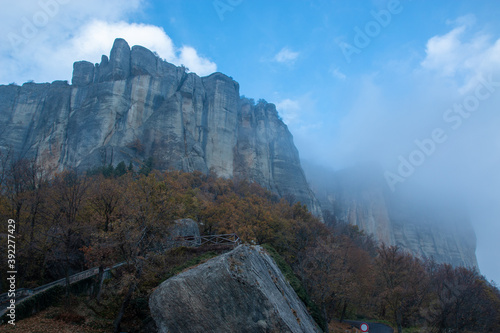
[[426, 227], [240, 291], [134, 105]]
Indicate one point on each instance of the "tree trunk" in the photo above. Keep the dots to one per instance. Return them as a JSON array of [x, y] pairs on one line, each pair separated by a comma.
[[100, 280], [325, 317], [66, 276], [344, 309], [399, 321], [126, 300], [128, 297]]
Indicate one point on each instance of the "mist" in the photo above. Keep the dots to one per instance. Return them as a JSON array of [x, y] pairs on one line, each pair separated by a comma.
[[392, 105], [431, 128]]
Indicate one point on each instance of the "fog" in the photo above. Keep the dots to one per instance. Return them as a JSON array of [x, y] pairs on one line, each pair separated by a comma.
[[432, 135], [419, 100]]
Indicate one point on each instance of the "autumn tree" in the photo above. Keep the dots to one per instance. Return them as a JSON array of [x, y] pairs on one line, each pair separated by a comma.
[[16, 183], [402, 284], [105, 206], [68, 227], [336, 273], [463, 300], [23, 184], [36, 206], [149, 211]]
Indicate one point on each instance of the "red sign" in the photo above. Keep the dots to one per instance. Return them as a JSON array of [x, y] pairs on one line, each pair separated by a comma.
[[364, 327]]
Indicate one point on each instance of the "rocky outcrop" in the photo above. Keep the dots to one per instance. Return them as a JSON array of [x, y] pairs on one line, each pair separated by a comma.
[[266, 153], [425, 226], [240, 291], [184, 228], [184, 232], [134, 105]]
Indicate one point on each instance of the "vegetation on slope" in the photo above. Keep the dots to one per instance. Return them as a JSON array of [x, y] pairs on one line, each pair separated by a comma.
[[72, 221]]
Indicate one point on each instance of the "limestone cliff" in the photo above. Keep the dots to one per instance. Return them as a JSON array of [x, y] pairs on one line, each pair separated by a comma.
[[133, 106], [240, 291], [425, 226]]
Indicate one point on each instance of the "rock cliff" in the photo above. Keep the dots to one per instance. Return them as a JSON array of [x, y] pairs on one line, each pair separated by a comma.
[[426, 226], [240, 291], [133, 106]]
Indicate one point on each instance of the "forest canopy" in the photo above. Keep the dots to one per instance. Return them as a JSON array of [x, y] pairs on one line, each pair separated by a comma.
[[73, 221]]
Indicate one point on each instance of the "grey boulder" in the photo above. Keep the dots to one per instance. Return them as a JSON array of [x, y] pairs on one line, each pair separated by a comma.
[[240, 291]]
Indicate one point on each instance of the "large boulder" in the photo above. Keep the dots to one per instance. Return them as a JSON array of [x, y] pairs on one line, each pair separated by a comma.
[[185, 228], [240, 291], [184, 232]]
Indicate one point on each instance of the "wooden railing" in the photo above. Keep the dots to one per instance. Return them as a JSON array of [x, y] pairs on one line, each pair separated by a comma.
[[225, 239], [22, 293], [194, 241]]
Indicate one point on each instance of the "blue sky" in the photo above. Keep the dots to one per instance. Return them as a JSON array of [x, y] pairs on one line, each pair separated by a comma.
[[354, 80]]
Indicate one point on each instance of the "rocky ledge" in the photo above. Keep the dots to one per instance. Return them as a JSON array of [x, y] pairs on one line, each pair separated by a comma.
[[240, 291]]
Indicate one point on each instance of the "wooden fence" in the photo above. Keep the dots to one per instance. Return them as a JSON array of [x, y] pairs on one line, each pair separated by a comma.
[[196, 241], [192, 241]]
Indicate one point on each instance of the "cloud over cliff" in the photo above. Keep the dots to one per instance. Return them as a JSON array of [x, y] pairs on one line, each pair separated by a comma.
[[42, 38]]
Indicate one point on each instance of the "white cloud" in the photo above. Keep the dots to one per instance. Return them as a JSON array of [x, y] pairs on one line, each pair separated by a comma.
[[443, 52], [461, 56], [97, 38], [190, 58], [286, 56], [289, 110], [74, 31]]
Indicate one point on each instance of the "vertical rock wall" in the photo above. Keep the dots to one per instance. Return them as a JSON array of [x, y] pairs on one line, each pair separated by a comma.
[[134, 105]]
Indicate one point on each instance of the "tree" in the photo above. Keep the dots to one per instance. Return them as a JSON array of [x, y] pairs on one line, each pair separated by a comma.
[[463, 301], [105, 196], [336, 273], [106, 205], [402, 283], [148, 215], [23, 184], [68, 228], [16, 186], [120, 169], [147, 166]]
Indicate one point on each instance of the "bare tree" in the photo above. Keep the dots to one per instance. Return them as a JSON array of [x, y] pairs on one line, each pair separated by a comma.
[[67, 198]]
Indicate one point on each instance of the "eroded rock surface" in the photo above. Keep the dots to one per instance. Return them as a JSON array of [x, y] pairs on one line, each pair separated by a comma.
[[133, 106], [240, 291]]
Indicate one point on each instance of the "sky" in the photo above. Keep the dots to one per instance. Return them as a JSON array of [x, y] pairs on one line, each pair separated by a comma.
[[411, 84]]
